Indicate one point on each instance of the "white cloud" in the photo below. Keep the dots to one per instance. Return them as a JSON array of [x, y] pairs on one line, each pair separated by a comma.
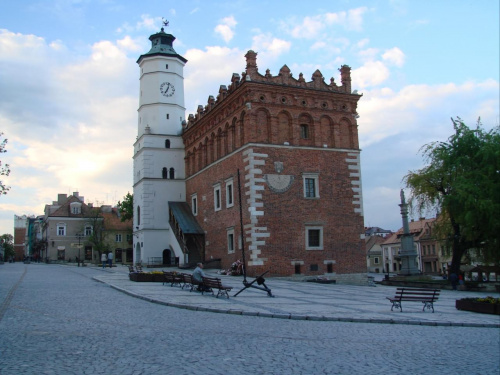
[[81, 116], [207, 70], [362, 43], [368, 54], [372, 73], [312, 26], [146, 23], [269, 46], [226, 28], [394, 56], [425, 109]]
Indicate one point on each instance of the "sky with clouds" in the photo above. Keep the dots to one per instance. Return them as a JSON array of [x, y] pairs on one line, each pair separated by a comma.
[[69, 81]]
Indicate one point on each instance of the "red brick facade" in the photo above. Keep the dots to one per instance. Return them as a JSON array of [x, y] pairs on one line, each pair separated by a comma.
[[19, 243], [281, 133]]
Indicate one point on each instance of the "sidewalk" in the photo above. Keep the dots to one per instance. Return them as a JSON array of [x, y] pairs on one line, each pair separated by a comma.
[[306, 301]]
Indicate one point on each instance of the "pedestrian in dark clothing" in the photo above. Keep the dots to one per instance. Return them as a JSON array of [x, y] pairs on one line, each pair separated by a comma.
[[454, 280]]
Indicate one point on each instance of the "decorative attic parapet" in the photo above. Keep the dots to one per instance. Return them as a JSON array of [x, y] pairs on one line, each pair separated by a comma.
[[284, 78]]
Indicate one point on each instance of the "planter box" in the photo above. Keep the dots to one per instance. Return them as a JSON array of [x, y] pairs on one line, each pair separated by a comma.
[[140, 277], [158, 278], [480, 307]]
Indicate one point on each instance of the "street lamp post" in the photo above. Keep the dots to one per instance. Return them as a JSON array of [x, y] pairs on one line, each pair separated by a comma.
[[79, 236]]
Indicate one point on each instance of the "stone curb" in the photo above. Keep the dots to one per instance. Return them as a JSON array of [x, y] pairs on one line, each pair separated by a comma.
[[303, 317]]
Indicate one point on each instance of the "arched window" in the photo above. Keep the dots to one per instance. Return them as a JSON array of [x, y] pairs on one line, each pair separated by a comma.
[[164, 173], [171, 173], [138, 215], [167, 143]]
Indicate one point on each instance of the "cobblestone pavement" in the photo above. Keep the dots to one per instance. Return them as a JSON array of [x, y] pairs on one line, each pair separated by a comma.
[[305, 300], [59, 320]]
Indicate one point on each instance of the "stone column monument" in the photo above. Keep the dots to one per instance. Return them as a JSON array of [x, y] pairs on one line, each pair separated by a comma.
[[408, 252]]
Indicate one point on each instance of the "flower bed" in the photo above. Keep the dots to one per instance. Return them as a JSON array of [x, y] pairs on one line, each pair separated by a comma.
[[141, 277], [488, 305]]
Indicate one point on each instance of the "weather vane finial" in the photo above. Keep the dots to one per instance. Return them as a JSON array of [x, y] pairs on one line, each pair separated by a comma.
[[164, 21]]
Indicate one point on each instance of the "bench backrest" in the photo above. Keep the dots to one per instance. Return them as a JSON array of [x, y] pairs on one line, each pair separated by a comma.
[[169, 276], [417, 294], [212, 282]]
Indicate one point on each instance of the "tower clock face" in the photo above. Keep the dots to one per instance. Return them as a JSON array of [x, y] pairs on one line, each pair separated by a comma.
[[167, 89]]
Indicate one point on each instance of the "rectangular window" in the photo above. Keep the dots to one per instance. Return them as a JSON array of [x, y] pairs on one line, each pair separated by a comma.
[[194, 204], [311, 185], [118, 238], [217, 198], [304, 132], [230, 241], [310, 188], [129, 238], [88, 231], [229, 193], [376, 260], [61, 230], [314, 238]]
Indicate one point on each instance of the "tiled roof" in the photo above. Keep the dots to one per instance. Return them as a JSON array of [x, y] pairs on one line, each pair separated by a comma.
[[113, 222], [65, 209], [417, 228]]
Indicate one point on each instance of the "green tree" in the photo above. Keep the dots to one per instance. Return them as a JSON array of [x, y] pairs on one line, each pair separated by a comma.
[[7, 243], [126, 208], [461, 181], [97, 239], [5, 170]]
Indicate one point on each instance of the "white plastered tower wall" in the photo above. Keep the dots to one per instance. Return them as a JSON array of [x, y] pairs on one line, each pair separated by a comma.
[[159, 172]]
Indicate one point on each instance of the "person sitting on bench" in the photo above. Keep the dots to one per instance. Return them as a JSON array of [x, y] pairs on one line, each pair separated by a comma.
[[198, 276]]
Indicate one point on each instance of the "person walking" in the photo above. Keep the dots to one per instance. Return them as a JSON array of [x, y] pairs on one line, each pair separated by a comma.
[[110, 259], [104, 259]]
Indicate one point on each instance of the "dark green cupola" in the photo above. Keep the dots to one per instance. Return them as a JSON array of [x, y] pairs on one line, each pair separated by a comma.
[[161, 44]]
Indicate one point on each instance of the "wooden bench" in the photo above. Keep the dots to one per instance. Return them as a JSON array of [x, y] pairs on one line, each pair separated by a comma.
[[211, 283], [172, 278], [189, 282], [426, 296], [137, 269]]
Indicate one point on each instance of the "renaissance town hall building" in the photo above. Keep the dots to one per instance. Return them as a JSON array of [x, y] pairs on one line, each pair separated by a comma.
[[288, 147]]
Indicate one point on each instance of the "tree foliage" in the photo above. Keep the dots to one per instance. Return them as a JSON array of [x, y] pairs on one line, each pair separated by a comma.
[[126, 207], [97, 239], [7, 242], [4, 170], [462, 182]]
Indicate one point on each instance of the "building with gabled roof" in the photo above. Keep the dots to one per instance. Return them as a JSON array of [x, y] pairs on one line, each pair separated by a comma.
[[427, 247]]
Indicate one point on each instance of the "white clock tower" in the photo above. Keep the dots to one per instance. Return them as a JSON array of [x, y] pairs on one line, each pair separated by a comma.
[[159, 175]]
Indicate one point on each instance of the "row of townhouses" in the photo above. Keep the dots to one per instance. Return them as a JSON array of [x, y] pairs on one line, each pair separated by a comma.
[[383, 249], [71, 230]]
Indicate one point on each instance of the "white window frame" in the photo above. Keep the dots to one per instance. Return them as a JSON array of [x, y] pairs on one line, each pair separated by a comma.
[[118, 237], [194, 204], [61, 229], [315, 177], [376, 260], [230, 241], [309, 228], [217, 198], [88, 230], [229, 193]]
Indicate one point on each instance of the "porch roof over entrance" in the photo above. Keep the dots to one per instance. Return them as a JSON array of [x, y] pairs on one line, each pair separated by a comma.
[[185, 218]]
